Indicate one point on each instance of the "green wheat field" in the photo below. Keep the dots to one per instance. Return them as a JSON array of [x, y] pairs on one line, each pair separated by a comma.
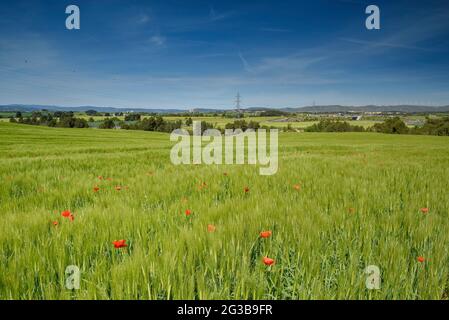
[[339, 203]]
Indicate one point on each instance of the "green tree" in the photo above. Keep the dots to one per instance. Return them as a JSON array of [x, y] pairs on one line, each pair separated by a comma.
[[107, 124], [393, 125], [91, 112]]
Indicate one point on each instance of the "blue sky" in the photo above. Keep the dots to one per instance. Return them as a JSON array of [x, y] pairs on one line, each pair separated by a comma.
[[185, 54]]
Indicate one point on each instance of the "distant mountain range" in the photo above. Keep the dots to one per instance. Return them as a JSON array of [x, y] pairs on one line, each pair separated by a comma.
[[309, 109], [34, 107], [369, 108]]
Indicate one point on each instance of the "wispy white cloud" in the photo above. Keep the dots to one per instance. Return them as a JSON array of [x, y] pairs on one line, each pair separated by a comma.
[[268, 29], [245, 63], [143, 19], [411, 32], [282, 64], [383, 44], [158, 40], [192, 23], [215, 16], [213, 55], [291, 63]]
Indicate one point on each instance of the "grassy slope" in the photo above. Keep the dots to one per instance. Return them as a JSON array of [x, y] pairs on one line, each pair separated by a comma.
[[320, 248]]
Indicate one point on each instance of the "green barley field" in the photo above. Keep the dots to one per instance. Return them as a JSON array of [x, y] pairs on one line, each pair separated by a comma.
[[339, 203]]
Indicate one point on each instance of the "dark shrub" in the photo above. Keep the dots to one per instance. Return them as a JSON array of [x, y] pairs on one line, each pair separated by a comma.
[[393, 125]]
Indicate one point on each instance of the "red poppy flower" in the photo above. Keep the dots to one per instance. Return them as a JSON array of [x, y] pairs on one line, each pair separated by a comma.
[[246, 189], [66, 213], [210, 228], [188, 212], [421, 259], [297, 187], [268, 261], [100, 177], [118, 188], [424, 210], [265, 234], [96, 188], [119, 244], [55, 223]]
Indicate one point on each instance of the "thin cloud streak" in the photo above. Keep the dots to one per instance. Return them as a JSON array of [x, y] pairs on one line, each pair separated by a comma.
[[158, 40], [275, 30], [214, 16], [245, 63], [376, 44]]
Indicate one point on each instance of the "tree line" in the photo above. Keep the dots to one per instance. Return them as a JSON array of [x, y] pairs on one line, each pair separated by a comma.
[[135, 121], [432, 126], [68, 120], [57, 119]]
